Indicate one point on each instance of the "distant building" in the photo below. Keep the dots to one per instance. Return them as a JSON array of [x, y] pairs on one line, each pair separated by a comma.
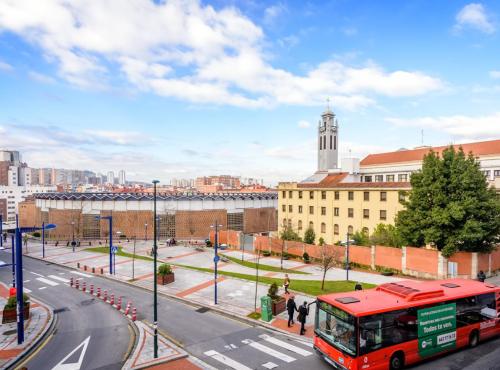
[[121, 177], [111, 177], [217, 183]]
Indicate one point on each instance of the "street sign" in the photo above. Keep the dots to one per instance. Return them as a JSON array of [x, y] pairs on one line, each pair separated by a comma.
[[216, 259], [437, 329], [114, 249]]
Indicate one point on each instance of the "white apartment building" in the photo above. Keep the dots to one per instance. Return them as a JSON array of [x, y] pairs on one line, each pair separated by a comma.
[[15, 194]]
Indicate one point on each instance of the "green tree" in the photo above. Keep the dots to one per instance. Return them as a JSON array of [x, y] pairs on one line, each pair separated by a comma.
[[309, 236], [361, 238], [386, 235], [289, 234], [451, 206]]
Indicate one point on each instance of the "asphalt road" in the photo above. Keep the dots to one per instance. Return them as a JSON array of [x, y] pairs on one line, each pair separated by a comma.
[[214, 338], [82, 322]]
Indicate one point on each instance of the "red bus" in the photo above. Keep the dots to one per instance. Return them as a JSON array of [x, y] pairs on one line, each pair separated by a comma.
[[398, 324]]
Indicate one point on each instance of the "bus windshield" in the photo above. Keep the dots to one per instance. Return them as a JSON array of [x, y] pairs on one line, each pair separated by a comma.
[[337, 327]]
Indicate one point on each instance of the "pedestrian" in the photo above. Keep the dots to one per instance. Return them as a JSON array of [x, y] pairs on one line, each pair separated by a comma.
[[286, 284], [358, 286], [291, 307], [481, 276], [303, 312]]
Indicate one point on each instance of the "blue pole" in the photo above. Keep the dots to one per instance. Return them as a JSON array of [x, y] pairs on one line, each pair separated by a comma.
[[1, 231], [216, 239], [19, 287], [13, 261], [111, 270], [43, 239]]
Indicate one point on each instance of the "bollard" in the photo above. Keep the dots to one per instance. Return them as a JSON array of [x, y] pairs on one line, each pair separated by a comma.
[[134, 314], [77, 284], [127, 309], [78, 265], [84, 286], [93, 270], [119, 305], [92, 289], [112, 300], [105, 296], [98, 292], [102, 271], [84, 267], [71, 282]]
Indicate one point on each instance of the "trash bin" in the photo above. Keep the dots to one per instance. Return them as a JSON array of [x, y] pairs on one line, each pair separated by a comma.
[[266, 308]]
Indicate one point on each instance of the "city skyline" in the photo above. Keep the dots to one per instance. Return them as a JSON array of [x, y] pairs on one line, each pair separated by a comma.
[[244, 96]]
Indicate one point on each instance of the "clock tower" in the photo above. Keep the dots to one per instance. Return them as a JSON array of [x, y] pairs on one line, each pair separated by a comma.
[[328, 142]]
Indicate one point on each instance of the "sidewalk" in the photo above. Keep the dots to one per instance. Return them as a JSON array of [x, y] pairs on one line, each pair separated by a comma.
[[39, 322]]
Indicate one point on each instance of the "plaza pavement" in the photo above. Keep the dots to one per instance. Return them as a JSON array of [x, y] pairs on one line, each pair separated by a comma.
[[236, 296]]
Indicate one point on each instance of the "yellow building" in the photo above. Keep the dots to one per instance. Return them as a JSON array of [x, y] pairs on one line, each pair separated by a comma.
[[334, 207]]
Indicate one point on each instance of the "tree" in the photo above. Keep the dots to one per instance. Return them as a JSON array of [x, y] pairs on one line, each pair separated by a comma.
[[386, 235], [289, 234], [309, 236], [450, 206], [321, 241], [361, 238], [329, 257]]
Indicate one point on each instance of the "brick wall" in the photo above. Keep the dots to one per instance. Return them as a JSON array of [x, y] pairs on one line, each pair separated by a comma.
[[421, 260], [388, 257], [361, 255], [464, 262], [28, 214], [4, 172], [3, 209], [229, 237], [257, 220], [196, 224]]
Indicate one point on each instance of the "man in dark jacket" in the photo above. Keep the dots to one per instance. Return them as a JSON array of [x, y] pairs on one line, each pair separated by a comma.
[[291, 307], [303, 312], [481, 276]]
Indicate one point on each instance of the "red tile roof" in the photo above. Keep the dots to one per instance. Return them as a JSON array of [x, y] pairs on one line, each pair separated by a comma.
[[336, 181], [479, 149], [328, 182]]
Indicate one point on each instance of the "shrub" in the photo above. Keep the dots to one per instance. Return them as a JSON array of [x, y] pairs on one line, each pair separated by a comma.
[[309, 236], [37, 234], [289, 234], [11, 302], [123, 236], [321, 241], [273, 291], [305, 256], [266, 253], [164, 269]]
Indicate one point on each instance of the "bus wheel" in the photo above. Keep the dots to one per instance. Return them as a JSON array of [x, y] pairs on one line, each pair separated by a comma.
[[397, 361], [473, 338]]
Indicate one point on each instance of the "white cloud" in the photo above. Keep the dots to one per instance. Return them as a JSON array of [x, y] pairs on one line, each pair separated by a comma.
[[6, 67], [273, 12], [465, 127], [40, 77], [495, 74], [304, 124], [474, 15], [193, 52]]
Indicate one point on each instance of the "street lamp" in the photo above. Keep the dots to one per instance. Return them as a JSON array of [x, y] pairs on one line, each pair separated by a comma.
[[146, 232], [216, 256], [110, 219], [347, 258], [73, 235], [1, 231], [155, 253]]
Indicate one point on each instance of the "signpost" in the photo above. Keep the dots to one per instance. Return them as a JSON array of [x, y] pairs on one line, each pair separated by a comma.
[[437, 329], [114, 249]]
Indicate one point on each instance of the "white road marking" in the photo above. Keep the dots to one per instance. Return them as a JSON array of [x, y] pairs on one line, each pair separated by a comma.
[[269, 351], [226, 360], [308, 344], [285, 345], [269, 365], [26, 290], [44, 287], [47, 281], [74, 365], [81, 274], [61, 273], [58, 278], [26, 281], [34, 273]]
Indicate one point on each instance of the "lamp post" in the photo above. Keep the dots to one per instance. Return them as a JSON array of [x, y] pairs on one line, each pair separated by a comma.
[[146, 232], [73, 235], [216, 256], [133, 260], [110, 220], [1, 231], [13, 260], [43, 239], [347, 258], [155, 250]]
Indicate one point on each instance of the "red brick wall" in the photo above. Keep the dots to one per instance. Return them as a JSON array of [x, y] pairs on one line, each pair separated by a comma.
[[196, 224], [422, 260], [28, 214], [464, 262], [258, 220], [361, 255], [388, 257], [495, 260], [3, 209], [229, 237], [483, 261]]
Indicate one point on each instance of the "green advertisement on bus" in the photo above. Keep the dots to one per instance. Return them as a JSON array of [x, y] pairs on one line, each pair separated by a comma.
[[437, 329]]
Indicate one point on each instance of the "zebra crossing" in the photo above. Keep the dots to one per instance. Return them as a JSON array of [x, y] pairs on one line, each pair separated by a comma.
[[41, 282], [271, 352]]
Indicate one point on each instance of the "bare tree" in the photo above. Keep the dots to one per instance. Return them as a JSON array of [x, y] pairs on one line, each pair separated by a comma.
[[329, 258]]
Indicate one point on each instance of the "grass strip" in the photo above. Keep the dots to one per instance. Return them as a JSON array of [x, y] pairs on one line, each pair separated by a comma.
[[263, 267], [120, 252]]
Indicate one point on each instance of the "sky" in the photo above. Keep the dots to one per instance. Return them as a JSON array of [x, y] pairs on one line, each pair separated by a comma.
[[179, 89]]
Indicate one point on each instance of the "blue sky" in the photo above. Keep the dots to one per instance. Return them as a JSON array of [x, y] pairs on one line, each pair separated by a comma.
[[185, 88]]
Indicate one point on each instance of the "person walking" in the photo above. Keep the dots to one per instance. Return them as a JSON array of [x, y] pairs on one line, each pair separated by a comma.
[[303, 312], [358, 286], [481, 276], [286, 284], [291, 307]]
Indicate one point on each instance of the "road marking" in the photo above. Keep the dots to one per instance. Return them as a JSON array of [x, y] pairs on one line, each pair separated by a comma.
[[47, 281], [269, 365], [285, 345], [81, 274], [226, 360], [34, 273], [269, 351], [44, 287], [61, 273], [308, 344], [26, 281], [58, 278], [26, 290], [73, 365]]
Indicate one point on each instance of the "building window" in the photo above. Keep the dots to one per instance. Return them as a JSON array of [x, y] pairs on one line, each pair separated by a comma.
[[290, 194], [331, 142], [283, 194], [496, 173], [323, 195], [366, 196], [323, 211], [379, 178], [300, 209], [350, 212], [300, 225], [337, 195], [368, 179], [311, 195], [335, 143], [234, 222], [284, 222], [311, 210], [350, 195], [383, 196], [290, 208], [402, 196], [383, 214], [366, 213], [311, 225], [320, 143], [403, 177], [336, 211], [289, 223], [389, 178], [350, 230], [300, 194], [486, 173], [336, 229], [323, 227], [283, 207]]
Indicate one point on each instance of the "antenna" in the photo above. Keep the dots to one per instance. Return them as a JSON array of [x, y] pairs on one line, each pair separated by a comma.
[[328, 104]]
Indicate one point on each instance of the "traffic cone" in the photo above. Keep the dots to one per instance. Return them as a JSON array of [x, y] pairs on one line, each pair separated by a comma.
[[77, 284], [119, 305], [105, 296], [112, 300], [98, 292], [127, 309], [84, 286], [134, 314], [92, 289], [71, 282]]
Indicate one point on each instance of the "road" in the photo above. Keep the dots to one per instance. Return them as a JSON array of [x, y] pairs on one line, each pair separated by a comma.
[[82, 322], [230, 344]]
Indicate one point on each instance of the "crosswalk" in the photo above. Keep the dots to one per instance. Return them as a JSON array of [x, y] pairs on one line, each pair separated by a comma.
[[36, 281], [271, 352]]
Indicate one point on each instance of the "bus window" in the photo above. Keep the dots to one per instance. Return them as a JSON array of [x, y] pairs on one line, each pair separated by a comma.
[[336, 327]]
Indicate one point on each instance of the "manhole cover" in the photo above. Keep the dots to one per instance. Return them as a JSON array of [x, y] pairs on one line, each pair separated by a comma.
[[59, 310], [203, 309], [9, 332]]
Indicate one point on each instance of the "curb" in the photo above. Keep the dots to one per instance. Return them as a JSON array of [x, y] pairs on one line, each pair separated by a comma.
[[49, 329], [244, 319]]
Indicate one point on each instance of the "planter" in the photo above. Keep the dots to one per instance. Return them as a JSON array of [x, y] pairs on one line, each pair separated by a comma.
[[307, 261], [165, 279], [11, 314], [278, 306]]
